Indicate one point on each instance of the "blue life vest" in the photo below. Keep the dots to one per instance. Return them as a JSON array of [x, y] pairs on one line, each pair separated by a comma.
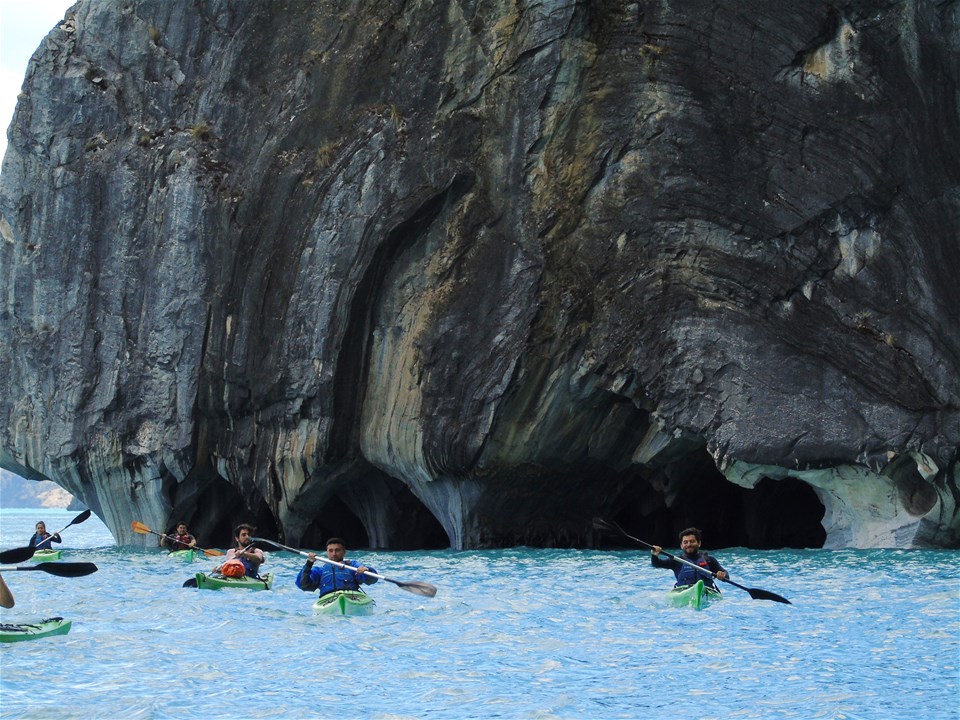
[[686, 575], [326, 577]]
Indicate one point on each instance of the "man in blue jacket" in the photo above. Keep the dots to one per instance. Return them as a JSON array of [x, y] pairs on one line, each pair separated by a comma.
[[686, 575], [328, 577]]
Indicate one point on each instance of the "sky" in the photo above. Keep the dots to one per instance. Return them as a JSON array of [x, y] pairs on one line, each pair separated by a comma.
[[23, 24]]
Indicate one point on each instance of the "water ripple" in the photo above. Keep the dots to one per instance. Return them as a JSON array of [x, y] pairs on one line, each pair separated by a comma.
[[520, 633]]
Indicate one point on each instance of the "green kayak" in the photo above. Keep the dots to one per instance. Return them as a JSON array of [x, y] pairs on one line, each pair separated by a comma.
[[344, 602], [697, 596], [185, 555], [19, 632], [216, 582], [45, 555]]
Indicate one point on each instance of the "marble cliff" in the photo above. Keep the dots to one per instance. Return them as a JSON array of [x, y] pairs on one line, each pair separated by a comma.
[[466, 273]]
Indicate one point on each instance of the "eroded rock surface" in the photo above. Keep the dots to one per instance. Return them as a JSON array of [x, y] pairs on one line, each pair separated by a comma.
[[470, 273]]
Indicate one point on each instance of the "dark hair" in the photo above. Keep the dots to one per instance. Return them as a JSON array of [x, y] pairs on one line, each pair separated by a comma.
[[336, 541], [690, 531], [244, 526]]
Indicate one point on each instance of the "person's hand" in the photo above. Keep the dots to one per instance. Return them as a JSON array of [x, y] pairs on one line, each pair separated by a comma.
[[311, 557], [657, 550], [362, 569], [722, 575]]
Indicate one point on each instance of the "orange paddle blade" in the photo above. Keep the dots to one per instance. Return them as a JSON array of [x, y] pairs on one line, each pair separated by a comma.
[[139, 527], [212, 553]]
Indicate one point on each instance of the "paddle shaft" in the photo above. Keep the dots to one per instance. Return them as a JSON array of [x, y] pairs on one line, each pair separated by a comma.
[[704, 570], [417, 588], [139, 527], [76, 521], [755, 593], [326, 560]]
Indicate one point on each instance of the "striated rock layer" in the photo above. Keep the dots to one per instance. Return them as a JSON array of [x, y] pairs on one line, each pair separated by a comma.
[[471, 272]]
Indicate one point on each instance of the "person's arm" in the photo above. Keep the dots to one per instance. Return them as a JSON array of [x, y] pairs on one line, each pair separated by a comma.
[[716, 568], [362, 576], [659, 562], [165, 540], [6, 597], [308, 578], [231, 554], [193, 542], [254, 555]]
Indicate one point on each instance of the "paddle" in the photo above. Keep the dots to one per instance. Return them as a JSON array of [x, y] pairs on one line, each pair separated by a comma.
[[417, 588], [139, 527], [61, 569], [17, 555], [76, 521], [755, 593]]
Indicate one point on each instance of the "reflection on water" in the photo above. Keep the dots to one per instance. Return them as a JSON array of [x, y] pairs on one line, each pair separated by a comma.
[[511, 634]]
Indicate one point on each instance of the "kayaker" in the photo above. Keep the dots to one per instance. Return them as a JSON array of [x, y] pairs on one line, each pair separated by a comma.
[[244, 551], [6, 597], [42, 540], [181, 540], [328, 578], [686, 575]]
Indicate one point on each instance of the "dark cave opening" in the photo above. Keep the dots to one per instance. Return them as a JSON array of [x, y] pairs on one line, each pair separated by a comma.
[[691, 492], [410, 525], [218, 510], [335, 519]]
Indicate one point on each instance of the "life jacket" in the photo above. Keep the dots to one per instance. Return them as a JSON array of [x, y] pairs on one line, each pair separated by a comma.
[[233, 569], [686, 575]]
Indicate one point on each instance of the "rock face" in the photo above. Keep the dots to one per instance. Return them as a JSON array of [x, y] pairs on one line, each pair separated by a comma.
[[471, 272]]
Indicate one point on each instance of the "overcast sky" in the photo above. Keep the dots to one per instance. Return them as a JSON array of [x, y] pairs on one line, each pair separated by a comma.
[[23, 24]]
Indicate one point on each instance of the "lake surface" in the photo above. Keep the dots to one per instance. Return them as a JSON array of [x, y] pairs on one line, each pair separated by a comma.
[[519, 633]]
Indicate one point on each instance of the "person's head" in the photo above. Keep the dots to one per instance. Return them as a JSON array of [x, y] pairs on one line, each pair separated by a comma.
[[336, 549], [690, 541], [41, 527], [181, 528], [243, 532]]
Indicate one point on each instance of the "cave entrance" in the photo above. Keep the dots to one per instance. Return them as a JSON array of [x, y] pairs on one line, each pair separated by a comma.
[[214, 513], [335, 519], [403, 521], [690, 491], [782, 514]]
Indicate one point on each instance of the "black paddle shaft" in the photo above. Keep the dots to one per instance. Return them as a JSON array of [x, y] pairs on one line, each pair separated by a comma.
[[755, 593]]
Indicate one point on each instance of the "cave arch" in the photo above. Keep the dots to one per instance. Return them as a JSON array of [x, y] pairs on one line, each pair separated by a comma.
[[404, 522], [690, 491], [213, 514]]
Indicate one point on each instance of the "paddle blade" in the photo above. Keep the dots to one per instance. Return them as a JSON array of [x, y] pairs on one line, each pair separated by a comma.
[[17, 555], [759, 594], [80, 518], [139, 527], [602, 525], [212, 553], [417, 588], [64, 569]]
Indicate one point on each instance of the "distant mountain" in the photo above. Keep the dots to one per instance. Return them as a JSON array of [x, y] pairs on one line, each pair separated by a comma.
[[17, 492]]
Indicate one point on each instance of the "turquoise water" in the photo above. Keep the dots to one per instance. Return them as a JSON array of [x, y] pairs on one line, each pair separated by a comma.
[[519, 633]]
